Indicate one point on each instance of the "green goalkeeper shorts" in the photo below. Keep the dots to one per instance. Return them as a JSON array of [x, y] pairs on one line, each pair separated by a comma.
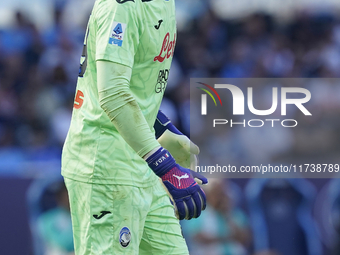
[[117, 219]]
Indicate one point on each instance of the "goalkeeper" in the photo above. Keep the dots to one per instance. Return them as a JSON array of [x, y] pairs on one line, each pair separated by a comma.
[[117, 174]]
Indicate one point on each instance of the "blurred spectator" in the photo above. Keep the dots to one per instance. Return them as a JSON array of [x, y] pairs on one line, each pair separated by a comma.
[[336, 248], [268, 252], [222, 229], [281, 216], [55, 225]]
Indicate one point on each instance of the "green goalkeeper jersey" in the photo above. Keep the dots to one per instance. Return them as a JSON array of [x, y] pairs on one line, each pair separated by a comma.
[[140, 34]]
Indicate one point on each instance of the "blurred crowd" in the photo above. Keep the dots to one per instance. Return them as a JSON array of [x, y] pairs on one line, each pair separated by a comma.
[[38, 70], [38, 73], [262, 46], [264, 217]]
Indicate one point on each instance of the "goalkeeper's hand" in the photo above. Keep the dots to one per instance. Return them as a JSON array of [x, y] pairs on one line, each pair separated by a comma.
[[188, 198], [181, 148]]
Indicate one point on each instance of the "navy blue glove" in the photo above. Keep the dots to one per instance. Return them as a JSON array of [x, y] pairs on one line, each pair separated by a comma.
[[188, 198]]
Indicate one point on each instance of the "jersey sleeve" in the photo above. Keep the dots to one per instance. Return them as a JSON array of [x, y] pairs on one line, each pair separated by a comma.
[[118, 29], [121, 107]]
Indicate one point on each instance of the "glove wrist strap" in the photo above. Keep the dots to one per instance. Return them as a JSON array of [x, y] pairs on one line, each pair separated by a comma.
[[163, 123], [161, 162]]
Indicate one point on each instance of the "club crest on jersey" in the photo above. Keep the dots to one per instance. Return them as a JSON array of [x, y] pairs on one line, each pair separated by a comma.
[[124, 237], [117, 33], [167, 49]]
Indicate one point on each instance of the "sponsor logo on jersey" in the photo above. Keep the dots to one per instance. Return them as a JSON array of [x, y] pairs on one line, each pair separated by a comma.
[[162, 80], [117, 33], [125, 237], [159, 24], [167, 49]]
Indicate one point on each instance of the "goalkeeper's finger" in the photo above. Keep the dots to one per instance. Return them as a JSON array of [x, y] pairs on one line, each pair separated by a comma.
[[171, 199], [193, 162], [194, 149], [200, 179]]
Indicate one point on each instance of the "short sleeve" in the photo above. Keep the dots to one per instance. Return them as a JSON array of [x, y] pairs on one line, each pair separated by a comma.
[[117, 31]]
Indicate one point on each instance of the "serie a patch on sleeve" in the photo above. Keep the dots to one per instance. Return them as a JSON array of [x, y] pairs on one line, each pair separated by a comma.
[[117, 33]]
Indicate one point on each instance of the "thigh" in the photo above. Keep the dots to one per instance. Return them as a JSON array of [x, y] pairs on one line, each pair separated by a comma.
[[162, 231], [106, 219]]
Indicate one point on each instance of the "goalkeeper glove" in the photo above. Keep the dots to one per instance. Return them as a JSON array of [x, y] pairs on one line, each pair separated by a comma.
[[181, 148], [188, 198]]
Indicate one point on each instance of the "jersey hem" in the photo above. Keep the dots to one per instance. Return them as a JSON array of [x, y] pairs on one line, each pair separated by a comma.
[[110, 181]]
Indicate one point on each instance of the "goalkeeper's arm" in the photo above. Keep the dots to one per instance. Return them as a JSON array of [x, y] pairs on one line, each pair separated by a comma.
[[119, 104]]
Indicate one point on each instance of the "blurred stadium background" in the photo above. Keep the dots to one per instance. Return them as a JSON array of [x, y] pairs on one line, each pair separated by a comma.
[[40, 48]]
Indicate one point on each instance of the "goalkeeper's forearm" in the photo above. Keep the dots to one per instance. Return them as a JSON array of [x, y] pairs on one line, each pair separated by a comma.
[[119, 104]]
